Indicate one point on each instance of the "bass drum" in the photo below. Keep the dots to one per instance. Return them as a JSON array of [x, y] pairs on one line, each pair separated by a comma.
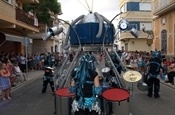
[[116, 101]]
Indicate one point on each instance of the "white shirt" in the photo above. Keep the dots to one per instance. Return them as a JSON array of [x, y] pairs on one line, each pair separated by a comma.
[[17, 69]]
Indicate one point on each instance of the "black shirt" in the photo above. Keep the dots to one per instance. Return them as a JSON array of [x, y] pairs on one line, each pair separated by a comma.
[[87, 87], [154, 66]]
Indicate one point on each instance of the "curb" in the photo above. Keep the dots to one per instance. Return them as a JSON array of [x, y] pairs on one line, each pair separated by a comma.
[[24, 83], [168, 85]]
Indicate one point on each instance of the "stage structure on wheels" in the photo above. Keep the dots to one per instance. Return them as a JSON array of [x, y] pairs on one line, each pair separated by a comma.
[[91, 33]]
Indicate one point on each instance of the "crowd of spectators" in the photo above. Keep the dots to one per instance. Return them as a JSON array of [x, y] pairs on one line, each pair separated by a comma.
[[14, 66], [138, 60]]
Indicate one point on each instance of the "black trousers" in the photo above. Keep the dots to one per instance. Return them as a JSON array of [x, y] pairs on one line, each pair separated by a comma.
[[45, 83], [153, 83], [171, 76], [85, 112]]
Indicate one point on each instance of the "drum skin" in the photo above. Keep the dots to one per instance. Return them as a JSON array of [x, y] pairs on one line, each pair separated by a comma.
[[116, 94]]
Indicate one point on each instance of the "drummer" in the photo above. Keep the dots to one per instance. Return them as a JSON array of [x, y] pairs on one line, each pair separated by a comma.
[[48, 78], [86, 86]]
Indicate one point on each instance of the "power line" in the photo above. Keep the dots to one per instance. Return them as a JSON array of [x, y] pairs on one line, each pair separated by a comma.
[[84, 6], [87, 5], [92, 5]]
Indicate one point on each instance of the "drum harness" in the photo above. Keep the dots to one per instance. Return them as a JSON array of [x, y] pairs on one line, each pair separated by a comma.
[[157, 70]]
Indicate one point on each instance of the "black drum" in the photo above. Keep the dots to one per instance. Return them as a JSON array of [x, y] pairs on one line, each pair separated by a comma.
[[106, 72]]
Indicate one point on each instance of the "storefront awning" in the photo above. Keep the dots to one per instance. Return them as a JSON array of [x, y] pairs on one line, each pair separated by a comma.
[[14, 38]]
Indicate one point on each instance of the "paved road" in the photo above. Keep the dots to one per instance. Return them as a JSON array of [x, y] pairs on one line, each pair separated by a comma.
[[140, 104], [28, 100]]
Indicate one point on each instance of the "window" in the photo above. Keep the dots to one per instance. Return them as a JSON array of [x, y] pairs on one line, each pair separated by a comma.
[[52, 49], [56, 48], [148, 25], [132, 6], [135, 25], [164, 41], [145, 6]]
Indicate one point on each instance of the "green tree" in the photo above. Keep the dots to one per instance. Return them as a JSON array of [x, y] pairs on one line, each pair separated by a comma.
[[44, 9]]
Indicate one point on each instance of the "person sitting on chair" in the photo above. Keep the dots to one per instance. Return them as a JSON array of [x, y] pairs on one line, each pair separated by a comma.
[[18, 73], [171, 73]]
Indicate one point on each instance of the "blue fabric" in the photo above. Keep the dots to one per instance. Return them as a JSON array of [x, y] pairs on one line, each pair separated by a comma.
[[141, 63], [98, 90], [4, 83], [72, 89], [82, 79]]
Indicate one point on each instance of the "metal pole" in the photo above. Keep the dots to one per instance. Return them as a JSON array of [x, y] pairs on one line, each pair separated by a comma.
[[26, 59], [73, 30], [108, 28]]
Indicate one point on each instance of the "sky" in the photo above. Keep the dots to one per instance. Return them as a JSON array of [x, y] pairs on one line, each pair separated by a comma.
[[74, 8]]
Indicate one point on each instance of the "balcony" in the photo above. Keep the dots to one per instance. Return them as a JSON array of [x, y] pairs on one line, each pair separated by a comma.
[[162, 6], [30, 1], [26, 18], [42, 31], [127, 35]]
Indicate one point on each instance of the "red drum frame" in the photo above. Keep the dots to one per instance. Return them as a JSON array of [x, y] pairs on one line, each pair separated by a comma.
[[119, 98]]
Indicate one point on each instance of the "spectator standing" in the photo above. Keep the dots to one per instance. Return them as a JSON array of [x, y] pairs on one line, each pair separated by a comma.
[[9, 67], [5, 84], [171, 72], [22, 63]]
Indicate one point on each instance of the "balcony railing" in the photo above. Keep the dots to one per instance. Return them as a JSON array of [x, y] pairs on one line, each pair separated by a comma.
[[42, 28], [161, 6], [26, 18], [30, 1]]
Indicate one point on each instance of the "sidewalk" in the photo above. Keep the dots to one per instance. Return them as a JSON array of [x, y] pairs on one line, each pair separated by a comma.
[[167, 84], [31, 75]]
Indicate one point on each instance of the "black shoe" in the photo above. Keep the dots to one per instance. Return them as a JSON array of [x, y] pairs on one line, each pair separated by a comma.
[[149, 95], [156, 96], [43, 92]]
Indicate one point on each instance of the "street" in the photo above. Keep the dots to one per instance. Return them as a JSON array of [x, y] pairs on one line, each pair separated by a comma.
[[28, 100]]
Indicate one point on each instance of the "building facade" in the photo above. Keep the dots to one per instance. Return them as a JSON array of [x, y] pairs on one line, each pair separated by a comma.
[[51, 45], [15, 24], [138, 14], [164, 26]]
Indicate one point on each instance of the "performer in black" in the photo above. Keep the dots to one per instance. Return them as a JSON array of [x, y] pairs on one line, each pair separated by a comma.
[[48, 78], [85, 84], [154, 67]]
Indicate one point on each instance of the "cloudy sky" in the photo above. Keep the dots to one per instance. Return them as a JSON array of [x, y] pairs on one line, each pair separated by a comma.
[[74, 8]]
